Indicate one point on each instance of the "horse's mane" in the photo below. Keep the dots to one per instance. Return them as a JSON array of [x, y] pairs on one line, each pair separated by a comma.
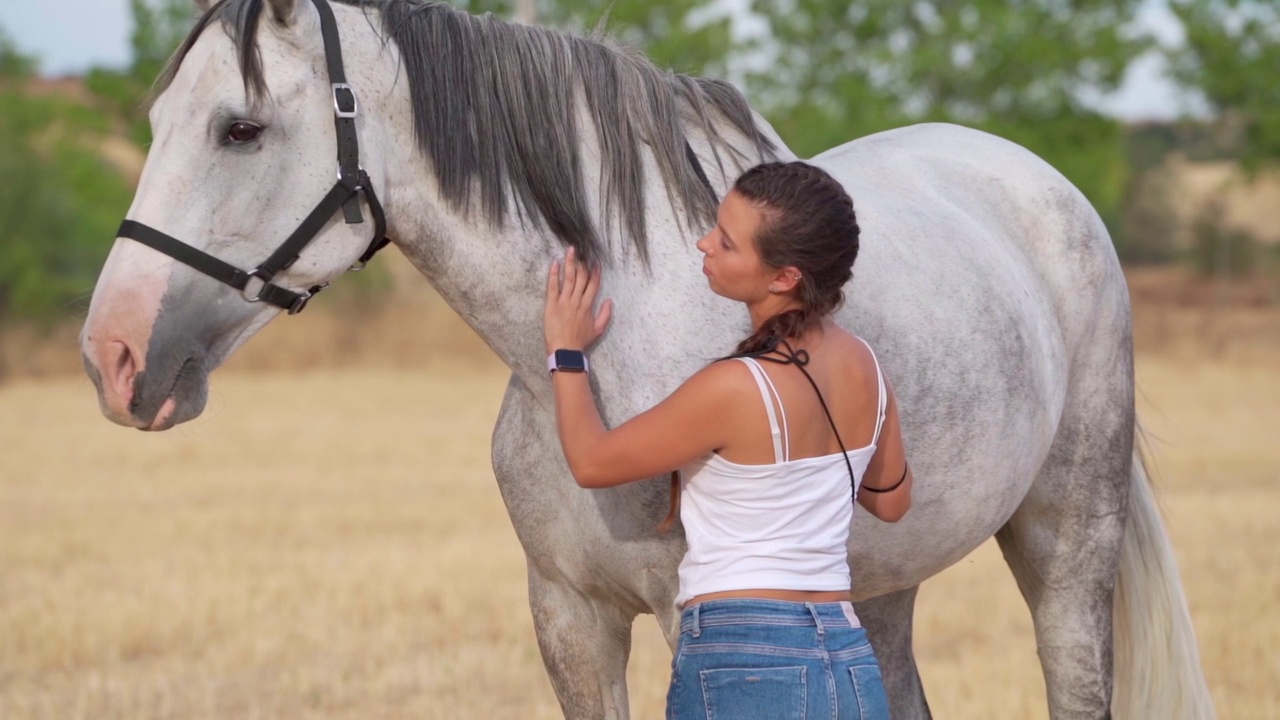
[[494, 108]]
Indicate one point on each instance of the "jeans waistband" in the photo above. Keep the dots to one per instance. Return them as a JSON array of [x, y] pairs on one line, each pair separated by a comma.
[[740, 611]]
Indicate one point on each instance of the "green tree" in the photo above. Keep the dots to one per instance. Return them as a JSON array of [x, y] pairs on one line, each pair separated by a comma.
[[688, 36], [1232, 56], [13, 64], [59, 199], [846, 68], [159, 26]]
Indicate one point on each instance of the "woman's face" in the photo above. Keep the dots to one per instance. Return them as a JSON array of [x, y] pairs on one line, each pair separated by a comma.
[[730, 260]]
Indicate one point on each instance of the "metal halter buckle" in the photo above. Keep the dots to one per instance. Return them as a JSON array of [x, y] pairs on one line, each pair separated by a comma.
[[338, 104], [360, 173]]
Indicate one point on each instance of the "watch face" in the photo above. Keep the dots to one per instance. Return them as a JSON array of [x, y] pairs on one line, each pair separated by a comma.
[[571, 361]]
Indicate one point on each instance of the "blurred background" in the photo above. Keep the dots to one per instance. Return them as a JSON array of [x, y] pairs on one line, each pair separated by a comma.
[[253, 565], [1166, 113]]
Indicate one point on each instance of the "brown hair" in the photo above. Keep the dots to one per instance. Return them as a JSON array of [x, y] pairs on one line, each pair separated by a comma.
[[809, 224]]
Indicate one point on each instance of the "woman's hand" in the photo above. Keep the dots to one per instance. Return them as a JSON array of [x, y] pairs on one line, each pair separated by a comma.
[[568, 321]]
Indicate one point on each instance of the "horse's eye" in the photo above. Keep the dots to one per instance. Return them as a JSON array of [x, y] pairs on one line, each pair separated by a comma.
[[243, 132]]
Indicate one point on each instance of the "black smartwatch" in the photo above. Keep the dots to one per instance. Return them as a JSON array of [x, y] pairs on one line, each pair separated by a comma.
[[567, 361]]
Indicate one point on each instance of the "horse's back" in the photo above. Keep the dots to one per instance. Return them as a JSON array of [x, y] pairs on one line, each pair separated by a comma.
[[928, 180]]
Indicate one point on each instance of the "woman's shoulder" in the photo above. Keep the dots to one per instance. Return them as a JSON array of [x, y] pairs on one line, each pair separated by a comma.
[[723, 376], [850, 353], [844, 342]]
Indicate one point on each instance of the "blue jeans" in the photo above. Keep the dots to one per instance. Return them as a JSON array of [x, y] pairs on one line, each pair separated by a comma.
[[746, 659]]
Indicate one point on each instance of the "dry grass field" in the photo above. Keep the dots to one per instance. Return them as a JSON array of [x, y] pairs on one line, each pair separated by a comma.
[[330, 544]]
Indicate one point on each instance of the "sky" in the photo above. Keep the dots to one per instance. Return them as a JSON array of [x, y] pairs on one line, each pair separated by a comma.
[[70, 36]]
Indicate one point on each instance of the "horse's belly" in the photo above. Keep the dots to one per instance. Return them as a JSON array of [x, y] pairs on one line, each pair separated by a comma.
[[938, 531]]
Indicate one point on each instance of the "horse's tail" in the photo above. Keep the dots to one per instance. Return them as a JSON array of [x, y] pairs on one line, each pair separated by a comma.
[[1157, 663]]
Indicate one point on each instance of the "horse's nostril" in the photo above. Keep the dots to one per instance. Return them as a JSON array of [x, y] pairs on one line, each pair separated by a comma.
[[124, 360], [121, 369]]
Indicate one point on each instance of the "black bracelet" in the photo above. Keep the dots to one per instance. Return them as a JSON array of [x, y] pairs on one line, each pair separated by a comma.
[[891, 488]]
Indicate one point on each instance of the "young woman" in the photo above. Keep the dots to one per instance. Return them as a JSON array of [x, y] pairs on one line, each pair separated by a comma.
[[774, 444]]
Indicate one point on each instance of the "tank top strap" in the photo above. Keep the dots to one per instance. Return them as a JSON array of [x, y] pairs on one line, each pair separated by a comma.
[[882, 403], [769, 393]]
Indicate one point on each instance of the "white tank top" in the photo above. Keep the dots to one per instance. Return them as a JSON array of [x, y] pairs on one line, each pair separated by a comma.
[[782, 526]]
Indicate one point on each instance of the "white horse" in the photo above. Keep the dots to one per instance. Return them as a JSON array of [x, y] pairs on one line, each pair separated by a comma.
[[987, 283]]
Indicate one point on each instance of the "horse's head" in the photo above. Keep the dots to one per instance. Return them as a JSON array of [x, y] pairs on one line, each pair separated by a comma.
[[477, 122], [244, 148]]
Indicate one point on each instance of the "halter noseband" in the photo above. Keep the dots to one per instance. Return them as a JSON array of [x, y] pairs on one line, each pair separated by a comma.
[[353, 181]]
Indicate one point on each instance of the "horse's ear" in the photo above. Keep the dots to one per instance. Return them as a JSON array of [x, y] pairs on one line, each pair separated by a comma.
[[284, 12]]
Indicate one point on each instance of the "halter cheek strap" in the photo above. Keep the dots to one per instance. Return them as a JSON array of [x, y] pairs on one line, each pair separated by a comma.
[[353, 183]]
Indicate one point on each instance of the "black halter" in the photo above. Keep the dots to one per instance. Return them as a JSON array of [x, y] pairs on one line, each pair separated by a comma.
[[353, 181]]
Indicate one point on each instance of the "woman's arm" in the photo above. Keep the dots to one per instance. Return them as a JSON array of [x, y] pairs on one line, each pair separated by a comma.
[[887, 467], [671, 434]]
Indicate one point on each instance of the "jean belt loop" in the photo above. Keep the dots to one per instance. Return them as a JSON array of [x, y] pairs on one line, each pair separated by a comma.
[[817, 620], [697, 627]]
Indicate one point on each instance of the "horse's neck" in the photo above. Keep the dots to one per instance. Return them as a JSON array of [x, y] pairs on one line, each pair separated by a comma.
[[495, 278]]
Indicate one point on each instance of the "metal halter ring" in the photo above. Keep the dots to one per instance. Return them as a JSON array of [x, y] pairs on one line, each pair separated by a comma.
[[301, 303], [249, 292]]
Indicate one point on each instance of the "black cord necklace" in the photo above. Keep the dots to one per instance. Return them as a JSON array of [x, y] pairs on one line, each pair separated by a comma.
[[800, 358]]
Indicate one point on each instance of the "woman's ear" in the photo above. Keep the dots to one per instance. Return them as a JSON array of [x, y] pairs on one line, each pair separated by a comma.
[[785, 280]]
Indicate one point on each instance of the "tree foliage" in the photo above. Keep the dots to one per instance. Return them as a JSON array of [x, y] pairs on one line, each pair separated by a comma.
[[159, 26], [847, 68], [62, 200], [13, 64], [688, 36], [823, 72], [59, 199], [1232, 56]]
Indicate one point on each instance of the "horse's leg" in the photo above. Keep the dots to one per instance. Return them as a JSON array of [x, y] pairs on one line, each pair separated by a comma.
[[1063, 543], [585, 638], [585, 645], [888, 621]]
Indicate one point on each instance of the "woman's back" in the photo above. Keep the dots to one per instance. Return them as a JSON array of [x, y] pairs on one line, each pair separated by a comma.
[[847, 374], [777, 516]]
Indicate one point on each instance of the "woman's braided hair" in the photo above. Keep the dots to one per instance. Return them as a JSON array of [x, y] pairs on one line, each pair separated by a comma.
[[809, 224]]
